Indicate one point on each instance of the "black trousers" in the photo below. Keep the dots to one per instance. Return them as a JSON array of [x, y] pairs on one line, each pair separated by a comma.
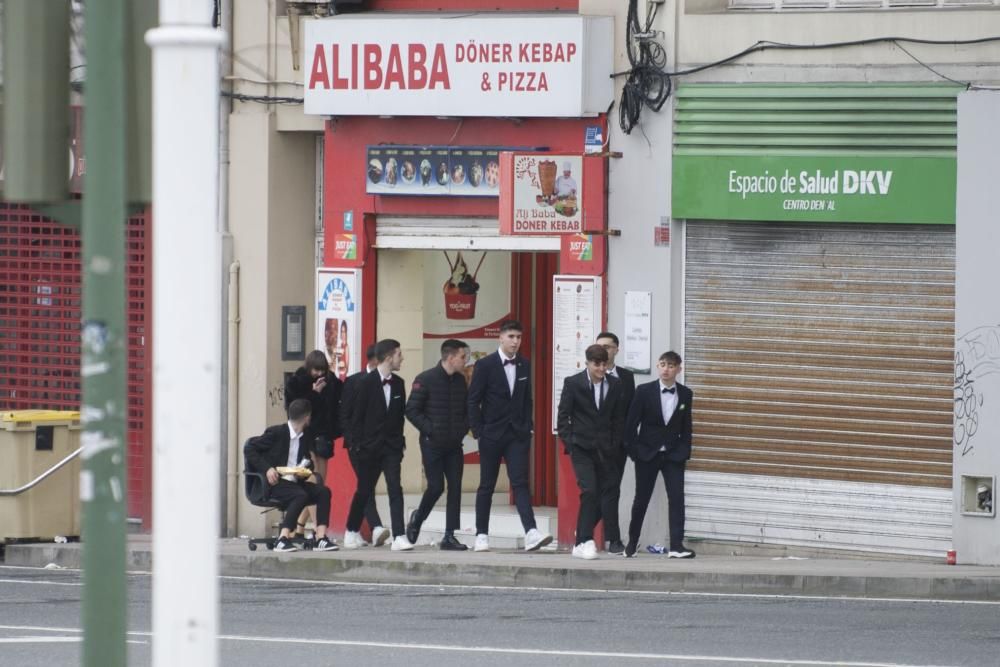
[[370, 468], [593, 475], [516, 453], [611, 497], [673, 479], [442, 465], [371, 512], [296, 496]]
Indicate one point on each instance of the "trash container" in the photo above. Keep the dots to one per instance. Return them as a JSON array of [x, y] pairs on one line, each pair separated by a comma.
[[31, 443]]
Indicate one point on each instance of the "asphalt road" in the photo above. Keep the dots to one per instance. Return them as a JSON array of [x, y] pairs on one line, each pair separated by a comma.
[[282, 622]]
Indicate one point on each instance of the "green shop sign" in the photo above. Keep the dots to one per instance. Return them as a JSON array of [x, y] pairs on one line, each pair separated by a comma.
[[815, 189]]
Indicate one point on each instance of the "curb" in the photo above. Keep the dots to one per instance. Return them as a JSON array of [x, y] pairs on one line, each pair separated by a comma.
[[352, 569]]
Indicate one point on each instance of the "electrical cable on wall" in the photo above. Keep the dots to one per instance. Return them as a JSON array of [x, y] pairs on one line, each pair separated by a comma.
[[650, 84]]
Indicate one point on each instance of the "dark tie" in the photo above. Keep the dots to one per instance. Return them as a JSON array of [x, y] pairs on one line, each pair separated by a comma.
[[669, 391], [600, 400], [509, 362], [386, 381]]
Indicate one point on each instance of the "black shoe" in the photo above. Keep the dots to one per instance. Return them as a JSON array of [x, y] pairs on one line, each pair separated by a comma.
[[681, 552], [616, 547], [325, 544], [631, 549], [412, 528], [449, 543], [285, 544]]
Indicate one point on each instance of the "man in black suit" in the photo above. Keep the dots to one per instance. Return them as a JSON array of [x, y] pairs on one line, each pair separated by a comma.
[[284, 445], [610, 499], [590, 420], [376, 433], [438, 408], [500, 414], [379, 533], [658, 439]]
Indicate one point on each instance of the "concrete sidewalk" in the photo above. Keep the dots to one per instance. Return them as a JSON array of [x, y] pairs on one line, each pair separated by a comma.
[[708, 573]]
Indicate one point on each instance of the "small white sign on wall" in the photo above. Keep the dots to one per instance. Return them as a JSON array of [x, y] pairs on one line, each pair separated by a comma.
[[637, 331]]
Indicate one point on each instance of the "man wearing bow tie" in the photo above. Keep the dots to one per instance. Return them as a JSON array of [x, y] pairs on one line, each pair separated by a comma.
[[658, 439], [377, 443], [500, 414], [616, 463]]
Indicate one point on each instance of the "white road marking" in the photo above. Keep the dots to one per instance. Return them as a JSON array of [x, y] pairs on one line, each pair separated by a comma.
[[47, 582], [505, 651], [40, 640], [460, 587]]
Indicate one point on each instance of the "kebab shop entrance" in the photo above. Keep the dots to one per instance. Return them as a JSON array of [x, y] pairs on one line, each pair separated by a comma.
[[461, 279]]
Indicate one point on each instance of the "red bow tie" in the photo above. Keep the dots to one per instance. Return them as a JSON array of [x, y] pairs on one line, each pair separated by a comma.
[[386, 381]]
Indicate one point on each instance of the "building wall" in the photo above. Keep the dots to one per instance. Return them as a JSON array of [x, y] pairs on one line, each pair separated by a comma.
[[977, 325]]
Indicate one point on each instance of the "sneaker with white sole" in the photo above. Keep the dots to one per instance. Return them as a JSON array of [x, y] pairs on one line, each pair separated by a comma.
[[380, 534], [681, 552], [482, 542], [534, 540], [285, 544], [325, 543], [352, 540], [586, 550], [400, 543]]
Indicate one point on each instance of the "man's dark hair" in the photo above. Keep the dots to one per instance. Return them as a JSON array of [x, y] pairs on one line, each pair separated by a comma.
[[671, 357], [385, 348], [596, 353], [370, 352], [317, 361], [608, 334], [511, 325], [299, 408], [451, 347]]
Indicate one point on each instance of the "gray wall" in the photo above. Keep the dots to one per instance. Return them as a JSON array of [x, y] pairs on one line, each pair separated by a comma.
[[977, 323]]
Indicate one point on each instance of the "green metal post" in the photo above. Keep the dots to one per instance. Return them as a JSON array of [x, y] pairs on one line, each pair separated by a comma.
[[103, 338]]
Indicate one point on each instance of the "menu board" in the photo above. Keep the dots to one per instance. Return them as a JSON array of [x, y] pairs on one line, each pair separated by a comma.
[[466, 171], [576, 320], [637, 331]]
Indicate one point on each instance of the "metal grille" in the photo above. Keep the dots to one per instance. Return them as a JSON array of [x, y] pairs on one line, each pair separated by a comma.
[[849, 5], [822, 351], [40, 311]]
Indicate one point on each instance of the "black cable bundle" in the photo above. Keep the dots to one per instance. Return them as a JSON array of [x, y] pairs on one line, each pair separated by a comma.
[[647, 84]]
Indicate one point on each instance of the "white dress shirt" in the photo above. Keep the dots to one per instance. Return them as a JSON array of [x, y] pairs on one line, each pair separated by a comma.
[[386, 388], [599, 392], [294, 440], [510, 370]]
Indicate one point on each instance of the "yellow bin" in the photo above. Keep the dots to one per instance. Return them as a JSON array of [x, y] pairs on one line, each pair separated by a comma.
[[32, 442]]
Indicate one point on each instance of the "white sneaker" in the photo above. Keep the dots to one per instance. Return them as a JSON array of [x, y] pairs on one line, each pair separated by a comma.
[[352, 540], [400, 543], [482, 542], [379, 536], [586, 551], [534, 540]]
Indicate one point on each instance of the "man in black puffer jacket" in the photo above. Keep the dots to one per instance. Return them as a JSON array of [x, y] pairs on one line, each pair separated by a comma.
[[437, 408]]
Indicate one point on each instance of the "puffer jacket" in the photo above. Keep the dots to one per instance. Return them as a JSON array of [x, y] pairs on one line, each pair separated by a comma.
[[437, 408]]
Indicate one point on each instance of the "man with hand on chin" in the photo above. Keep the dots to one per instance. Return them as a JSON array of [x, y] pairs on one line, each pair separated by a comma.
[[658, 439]]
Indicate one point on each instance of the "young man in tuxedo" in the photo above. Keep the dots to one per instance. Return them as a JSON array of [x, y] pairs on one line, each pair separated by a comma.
[[438, 409], [379, 533], [610, 499], [285, 445], [591, 418], [658, 439], [376, 433], [500, 414]]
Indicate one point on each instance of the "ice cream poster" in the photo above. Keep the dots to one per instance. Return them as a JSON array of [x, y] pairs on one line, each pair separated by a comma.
[[338, 311], [465, 290], [547, 194]]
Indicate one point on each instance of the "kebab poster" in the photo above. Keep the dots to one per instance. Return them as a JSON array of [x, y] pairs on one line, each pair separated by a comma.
[[547, 192], [433, 170]]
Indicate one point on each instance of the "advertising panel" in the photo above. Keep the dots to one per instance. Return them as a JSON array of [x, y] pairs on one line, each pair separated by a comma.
[[419, 65], [472, 171], [576, 321], [542, 194], [338, 319], [815, 189]]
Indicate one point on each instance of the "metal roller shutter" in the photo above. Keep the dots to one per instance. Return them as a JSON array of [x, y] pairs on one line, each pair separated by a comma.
[[822, 360]]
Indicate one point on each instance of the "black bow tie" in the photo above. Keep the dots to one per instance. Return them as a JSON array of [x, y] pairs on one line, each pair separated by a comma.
[[671, 390], [386, 381], [510, 362]]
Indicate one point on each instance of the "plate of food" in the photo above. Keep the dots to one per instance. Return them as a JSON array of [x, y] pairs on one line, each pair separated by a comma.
[[298, 471]]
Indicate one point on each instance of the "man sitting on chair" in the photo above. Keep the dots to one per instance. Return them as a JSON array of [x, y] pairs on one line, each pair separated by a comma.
[[282, 445]]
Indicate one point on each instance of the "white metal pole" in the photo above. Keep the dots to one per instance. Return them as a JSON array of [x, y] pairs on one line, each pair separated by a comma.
[[187, 335]]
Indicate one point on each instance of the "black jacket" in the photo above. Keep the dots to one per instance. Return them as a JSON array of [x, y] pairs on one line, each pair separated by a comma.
[[582, 425], [347, 398], [437, 408], [492, 407], [645, 431], [270, 449], [374, 426], [325, 404]]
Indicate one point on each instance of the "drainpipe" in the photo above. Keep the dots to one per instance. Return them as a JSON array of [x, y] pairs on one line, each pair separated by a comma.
[[233, 476]]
